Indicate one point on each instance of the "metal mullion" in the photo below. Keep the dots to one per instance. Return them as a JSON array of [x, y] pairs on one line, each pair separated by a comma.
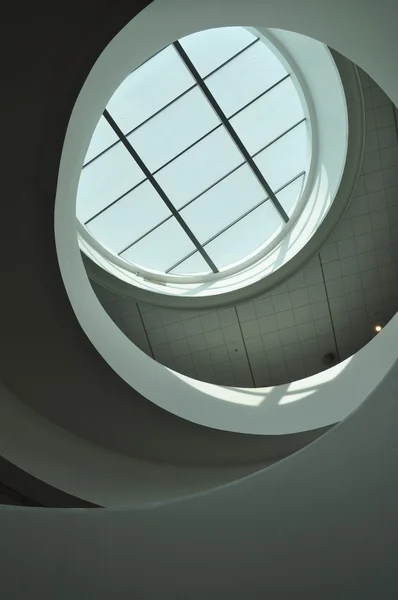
[[279, 137], [187, 148], [248, 212], [137, 185], [100, 154], [180, 261], [285, 185], [231, 131], [148, 59], [155, 114], [155, 172], [216, 235], [144, 235], [210, 187], [259, 96], [231, 59], [159, 190]]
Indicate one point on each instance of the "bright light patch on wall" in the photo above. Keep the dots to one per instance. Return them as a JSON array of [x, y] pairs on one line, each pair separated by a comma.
[[319, 378], [289, 398]]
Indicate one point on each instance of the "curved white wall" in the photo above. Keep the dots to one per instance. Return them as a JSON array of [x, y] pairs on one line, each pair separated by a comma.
[[95, 474], [315, 402]]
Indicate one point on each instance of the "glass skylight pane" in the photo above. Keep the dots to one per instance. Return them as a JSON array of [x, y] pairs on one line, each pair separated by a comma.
[[245, 237], [285, 159], [290, 194], [160, 249], [174, 129], [103, 137], [224, 203], [129, 218], [106, 179], [176, 133], [210, 49], [245, 77], [270, 116], [194, 265], [150, 87], [199, 167]]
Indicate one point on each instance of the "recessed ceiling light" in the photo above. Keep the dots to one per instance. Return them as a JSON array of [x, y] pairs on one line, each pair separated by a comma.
[[378, 328]]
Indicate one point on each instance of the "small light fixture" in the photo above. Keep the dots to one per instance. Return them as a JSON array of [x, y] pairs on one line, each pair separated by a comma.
[[378, 328]]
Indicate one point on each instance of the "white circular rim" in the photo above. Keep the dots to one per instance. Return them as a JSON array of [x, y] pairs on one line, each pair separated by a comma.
[[327, 123], [204, 403]]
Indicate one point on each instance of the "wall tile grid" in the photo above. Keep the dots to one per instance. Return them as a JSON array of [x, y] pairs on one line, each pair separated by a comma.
[[331, 305]]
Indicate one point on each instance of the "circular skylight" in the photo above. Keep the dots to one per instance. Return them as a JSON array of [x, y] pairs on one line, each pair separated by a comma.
[[199, 159]]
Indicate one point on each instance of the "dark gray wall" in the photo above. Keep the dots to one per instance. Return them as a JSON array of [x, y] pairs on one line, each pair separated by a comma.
[[321, 524], [20, 488]]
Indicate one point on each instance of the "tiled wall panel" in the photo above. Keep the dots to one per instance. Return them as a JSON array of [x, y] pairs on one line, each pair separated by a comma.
[[331, 305]]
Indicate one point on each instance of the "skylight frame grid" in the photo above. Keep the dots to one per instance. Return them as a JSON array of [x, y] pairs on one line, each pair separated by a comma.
[[247, 158]]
